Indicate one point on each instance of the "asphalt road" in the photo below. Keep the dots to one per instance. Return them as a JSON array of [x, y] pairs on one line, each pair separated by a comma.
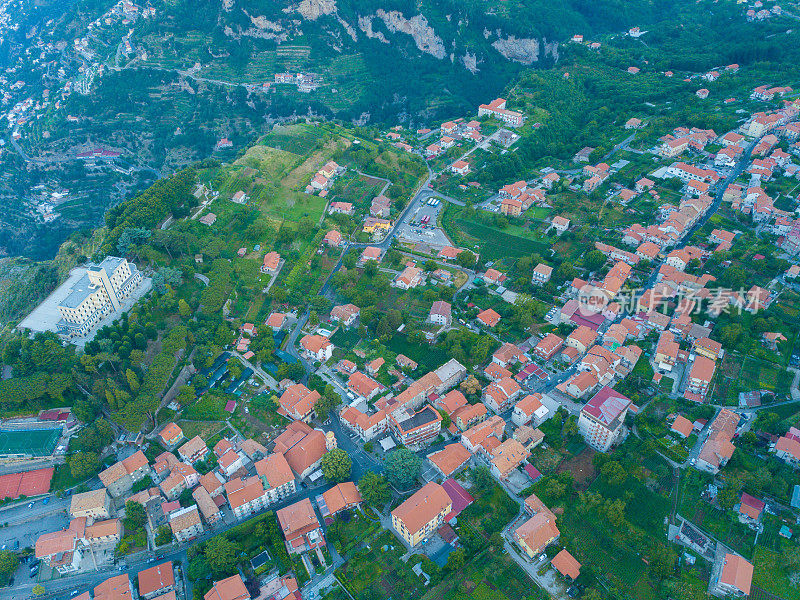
[[54, 516], [61, 588]]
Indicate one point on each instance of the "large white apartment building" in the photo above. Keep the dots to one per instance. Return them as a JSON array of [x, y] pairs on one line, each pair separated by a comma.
[[98, 293], [497, 108]]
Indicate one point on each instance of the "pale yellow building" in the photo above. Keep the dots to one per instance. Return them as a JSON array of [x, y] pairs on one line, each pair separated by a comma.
[[422, 514]]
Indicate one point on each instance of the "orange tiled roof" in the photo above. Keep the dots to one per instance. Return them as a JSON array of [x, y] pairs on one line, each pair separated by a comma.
[[423, 507], [450, 458]]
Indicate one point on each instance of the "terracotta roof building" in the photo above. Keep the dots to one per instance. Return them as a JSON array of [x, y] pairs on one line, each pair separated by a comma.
[[364, 386], [535, 534], [602, 418], [185, 523], [156, 580], [509, 455], [345, 314], [271, 263], [788, 450], [114, 588], [423, 513], [194, 450], [342, 496], [682, 426], [275, 321], [276, 477], [232, 588], [735, 576], [718, 448], [120, 477], [298, 402], [548, 347], [484, 437], [92, 505], [306, 455], [530, 410], [300, 527], [489, 317], [450, 459], [246, 496], [565, 563], [171, 435], [205, 503]]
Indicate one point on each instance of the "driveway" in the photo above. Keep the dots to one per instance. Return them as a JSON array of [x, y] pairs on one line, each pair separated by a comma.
[[549, 580]]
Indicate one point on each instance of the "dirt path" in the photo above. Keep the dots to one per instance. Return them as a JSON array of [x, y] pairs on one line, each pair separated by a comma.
[[676, 478]]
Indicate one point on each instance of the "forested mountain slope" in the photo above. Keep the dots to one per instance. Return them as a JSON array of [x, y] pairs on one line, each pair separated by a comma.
[[102, 98]]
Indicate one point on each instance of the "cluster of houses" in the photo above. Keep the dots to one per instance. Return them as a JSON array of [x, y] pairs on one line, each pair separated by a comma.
[[409, 415], [681, 139], [497, 109], [759, 13], [398, 140], [246, 479], [159, 583], [450, 133], [305, 82], [376, 222], [767, 162], [322, 181], [517, 197], [578, 38]]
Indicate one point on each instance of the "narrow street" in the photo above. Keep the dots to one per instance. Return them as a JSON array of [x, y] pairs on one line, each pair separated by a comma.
[[59, 588]]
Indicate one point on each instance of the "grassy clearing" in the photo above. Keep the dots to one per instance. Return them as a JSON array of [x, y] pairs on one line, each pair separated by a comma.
[[297, 139], [495, 243], [358, 190], [205, 429], [378, 572], [714, 520], [270, 161], [765, 376], [769, 575], [596, 544]]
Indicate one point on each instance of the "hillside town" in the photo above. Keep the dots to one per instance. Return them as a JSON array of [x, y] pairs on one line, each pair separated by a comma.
[[392, 362]]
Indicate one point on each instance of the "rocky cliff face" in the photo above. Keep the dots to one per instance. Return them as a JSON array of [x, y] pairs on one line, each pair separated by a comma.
[[365, 25], [417, 27], [524, 50], [314, 9], [382, 24]]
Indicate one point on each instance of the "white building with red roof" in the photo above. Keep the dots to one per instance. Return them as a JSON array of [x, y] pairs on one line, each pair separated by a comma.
[[602, 418]]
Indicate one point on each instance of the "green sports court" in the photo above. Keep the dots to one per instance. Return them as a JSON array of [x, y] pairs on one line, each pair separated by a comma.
[[29, 442]]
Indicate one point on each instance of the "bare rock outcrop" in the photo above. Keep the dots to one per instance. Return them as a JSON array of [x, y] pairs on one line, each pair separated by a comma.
[[470, 62], [522, 50], [365, 25], [312, 10], [417, 27]]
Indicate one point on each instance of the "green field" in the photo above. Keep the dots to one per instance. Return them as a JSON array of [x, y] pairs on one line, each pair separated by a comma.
[[761, 375], [769, 574], [357, 189], [275, 172], [297, 139], [497, 244], [272, 162], [32, 442]]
